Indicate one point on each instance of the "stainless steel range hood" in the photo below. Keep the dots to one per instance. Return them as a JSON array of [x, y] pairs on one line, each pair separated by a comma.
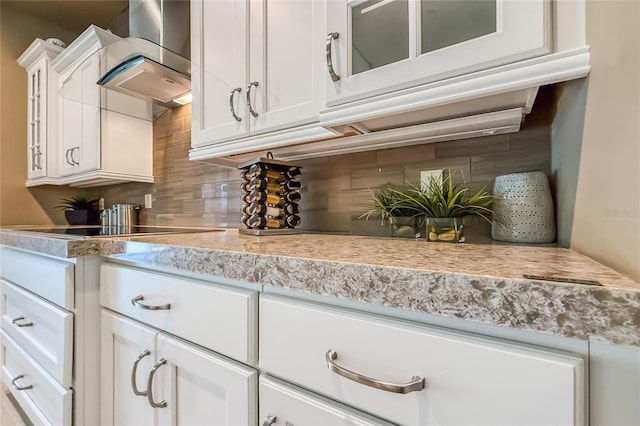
[[152, 63]]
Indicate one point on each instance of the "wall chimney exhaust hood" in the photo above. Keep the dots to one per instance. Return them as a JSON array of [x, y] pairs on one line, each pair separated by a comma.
[[153, 62]]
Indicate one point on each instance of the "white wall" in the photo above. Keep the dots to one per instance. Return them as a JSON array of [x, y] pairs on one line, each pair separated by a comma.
[[606, 222], [19, 205]]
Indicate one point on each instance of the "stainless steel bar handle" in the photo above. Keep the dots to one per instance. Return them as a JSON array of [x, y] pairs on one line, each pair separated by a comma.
[[332, 73], [271, 419], [416, 384], [73, 160], [20, 388], [154, 404], [24, 324], [249, 107], [133, 373], [233, 110], [136, 302], [67, 152]]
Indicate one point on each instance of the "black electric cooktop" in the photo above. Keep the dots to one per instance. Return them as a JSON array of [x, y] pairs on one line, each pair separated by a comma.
[[105, 231]]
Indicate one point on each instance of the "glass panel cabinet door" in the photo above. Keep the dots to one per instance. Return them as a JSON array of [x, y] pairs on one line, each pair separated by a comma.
[[378, 46], [379, 34], [36, 117], [445, 23]]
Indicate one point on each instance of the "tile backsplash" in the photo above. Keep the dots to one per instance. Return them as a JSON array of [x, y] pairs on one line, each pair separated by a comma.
[[336, 189]]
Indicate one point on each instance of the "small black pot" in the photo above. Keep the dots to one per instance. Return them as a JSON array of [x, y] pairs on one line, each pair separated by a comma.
[[82, 217]]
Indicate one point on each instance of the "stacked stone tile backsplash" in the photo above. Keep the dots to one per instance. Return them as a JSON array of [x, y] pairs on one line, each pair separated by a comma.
[[336, 190]]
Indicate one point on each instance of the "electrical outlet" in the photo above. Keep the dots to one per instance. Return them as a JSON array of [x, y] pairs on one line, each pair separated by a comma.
[[427, 175], [101, 204], [147, 201]]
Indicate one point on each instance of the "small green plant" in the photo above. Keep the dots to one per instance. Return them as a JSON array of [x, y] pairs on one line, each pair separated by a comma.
[[388, 204], [78, 202], [435, 199]]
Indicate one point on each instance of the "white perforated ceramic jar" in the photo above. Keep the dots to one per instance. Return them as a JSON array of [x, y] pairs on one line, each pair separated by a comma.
[[523, 209]]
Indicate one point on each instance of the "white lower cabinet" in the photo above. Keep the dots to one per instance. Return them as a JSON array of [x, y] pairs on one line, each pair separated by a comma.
[[153, 378], [216, 317], [38, 362], [42, 329], [128, 352], [42, 398], [414, 374], [284, 404]]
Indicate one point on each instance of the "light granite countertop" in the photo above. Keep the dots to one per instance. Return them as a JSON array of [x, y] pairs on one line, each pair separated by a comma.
[[477, 282]]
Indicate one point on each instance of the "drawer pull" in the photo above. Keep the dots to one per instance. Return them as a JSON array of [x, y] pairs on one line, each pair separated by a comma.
[[133, 373], [24, 324], [20, 388], [136, 302], [154, 404], [271, 419], [416, 384]]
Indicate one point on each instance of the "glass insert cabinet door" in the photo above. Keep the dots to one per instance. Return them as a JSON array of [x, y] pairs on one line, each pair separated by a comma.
[[376, 46]]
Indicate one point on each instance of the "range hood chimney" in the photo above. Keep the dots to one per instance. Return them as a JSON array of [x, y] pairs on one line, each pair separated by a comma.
[[152, 63]]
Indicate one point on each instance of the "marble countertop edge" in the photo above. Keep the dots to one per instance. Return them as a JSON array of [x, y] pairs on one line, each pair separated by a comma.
[[479, 283]]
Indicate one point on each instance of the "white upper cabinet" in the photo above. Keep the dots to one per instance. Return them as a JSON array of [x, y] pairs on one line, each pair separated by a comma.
[[103, 137], [80, 119], [304, 79], [375, 46], [41, 98], [257, 66], [218, 70]]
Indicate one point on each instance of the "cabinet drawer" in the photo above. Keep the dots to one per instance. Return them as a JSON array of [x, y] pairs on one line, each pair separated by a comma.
[[41, 329], [295, 406], [468, 380], [221, 319], [46, 402], [46, 277]]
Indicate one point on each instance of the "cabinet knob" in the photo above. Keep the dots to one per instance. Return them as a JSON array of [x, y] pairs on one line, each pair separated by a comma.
[[271, 419], [332, 73]]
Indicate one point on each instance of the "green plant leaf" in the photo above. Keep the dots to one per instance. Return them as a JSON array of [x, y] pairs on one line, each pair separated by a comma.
[[78, 202], [434, 199]]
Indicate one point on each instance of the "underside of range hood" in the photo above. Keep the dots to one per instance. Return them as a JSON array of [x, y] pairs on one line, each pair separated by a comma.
[[143, 77]]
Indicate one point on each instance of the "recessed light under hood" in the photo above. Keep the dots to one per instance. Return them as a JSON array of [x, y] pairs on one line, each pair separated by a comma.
[[146, 70]]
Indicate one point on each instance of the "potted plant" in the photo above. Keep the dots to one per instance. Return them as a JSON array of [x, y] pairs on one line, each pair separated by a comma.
[[441, 205], [80, 210], [390, 205]]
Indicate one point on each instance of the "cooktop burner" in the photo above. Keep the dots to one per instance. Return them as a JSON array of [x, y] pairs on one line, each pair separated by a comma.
[[105, 231]]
